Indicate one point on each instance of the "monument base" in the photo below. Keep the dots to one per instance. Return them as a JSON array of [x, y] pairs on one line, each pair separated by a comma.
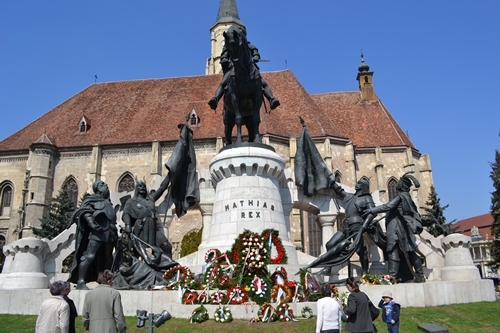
[[27, 302]]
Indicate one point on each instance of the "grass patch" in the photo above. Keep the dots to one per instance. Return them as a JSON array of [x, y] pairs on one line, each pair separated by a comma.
[[458, 318]]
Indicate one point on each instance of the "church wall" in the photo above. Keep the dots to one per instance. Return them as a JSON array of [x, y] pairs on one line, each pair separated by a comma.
[[338, 153], [366, 163], [115, 162], [426, 181], [75, 164], [13, 171]]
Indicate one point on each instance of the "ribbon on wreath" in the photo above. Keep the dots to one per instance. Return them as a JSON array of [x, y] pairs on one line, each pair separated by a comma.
[[295, 296], [245, 263], [205, 293]]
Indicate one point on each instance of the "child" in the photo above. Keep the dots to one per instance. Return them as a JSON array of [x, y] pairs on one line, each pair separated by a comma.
[[390, 312]]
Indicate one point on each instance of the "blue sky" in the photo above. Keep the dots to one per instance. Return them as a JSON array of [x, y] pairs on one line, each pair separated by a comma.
[[436, 64]]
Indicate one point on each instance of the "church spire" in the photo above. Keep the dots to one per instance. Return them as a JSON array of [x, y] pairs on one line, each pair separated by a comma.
[[226, 17], [228, 13]]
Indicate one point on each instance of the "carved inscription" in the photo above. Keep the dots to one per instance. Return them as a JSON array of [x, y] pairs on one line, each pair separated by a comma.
[[249, 204]]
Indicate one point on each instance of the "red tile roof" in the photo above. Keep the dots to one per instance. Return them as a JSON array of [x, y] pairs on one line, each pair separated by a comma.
[[482, 222], [367, 123], [147, 110]]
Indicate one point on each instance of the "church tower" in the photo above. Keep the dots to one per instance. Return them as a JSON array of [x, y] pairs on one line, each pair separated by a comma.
[[365, 79], [226, 17]]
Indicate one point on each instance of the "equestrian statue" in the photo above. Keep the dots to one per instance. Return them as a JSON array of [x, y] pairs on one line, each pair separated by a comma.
[[242, 86]]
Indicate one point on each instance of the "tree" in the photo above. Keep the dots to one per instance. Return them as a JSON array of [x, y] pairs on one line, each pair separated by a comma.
[[59, 218], [435, 219], [190, 242], [495, 208]]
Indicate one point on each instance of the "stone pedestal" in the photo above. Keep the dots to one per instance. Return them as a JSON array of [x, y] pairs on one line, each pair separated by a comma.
[[458, 264], [248, 179], [26, 268]]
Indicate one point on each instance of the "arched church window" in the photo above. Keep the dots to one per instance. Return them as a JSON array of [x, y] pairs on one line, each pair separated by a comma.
[[83, 127], [6, 200], [126, 184], [366, 79], [338, 177], [391, 188], [71, 189], [315, 235]]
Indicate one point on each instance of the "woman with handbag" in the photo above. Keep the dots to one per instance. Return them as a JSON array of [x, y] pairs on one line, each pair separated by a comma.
[[329, 319], [358, 310]]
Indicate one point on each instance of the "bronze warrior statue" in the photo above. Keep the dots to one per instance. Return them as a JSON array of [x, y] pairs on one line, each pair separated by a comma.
[[355, 204], [95, 237], [402, 222], [139, 215]]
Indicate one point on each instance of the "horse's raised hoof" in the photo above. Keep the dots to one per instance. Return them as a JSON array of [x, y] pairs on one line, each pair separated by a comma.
[[274, 103], [213, 103]]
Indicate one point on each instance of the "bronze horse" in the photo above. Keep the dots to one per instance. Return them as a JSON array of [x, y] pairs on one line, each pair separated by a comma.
[[243, 97]]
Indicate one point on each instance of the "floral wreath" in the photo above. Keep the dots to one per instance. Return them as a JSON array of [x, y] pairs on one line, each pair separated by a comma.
[[282, 272], [281, 257], [212, 274], [307, 312], [313, 293], [249, 248], [203, 297], [266, 313], [199, 315], [218, 297], [223, 315], [259, 287], [212, 255], [224, 280], [286, 290], [189, 297], [237, 295], [176, 275], [298, 291], [285, 312], [253, 253]]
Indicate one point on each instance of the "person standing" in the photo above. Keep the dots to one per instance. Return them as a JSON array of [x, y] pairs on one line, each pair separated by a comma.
[[54, 312], [359, 319], [390, 312], [329, 318], [72, 308], [102, 307]]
